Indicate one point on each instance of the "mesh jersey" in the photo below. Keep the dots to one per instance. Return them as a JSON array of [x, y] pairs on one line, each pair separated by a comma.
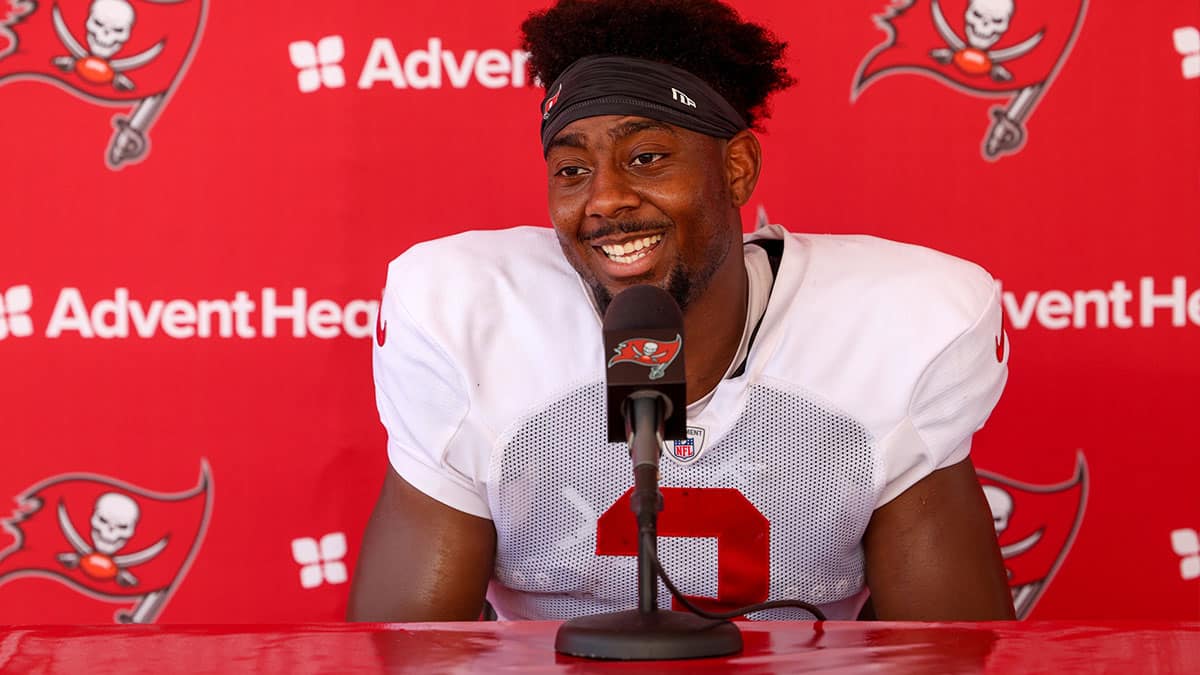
[[874, 364]]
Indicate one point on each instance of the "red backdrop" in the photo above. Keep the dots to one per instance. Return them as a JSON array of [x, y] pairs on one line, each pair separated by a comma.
[[189, 282]]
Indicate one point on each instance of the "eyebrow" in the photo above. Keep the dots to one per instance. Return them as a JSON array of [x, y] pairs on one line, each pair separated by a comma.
[[573, 140], [634, 126], [577, 140]]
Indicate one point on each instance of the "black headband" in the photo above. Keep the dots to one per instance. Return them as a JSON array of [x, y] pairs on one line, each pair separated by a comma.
[[619, 85]]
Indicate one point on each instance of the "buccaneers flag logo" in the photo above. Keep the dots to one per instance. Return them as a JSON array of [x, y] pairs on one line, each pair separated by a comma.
[[1036, 525], [109, 52], [653, 353], [990, 48], [108, 539]]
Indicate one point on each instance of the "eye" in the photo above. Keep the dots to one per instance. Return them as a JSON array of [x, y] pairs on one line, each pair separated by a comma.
[[570, 171], [647, 158]]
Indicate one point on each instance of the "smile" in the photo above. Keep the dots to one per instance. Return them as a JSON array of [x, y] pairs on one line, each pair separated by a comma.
[[631, 251]]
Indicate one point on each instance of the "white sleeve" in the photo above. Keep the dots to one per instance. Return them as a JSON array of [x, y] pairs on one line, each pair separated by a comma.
[[423, 404], [951, 401]]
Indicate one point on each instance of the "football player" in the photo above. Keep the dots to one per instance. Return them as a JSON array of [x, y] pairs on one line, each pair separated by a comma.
[[834, 382]]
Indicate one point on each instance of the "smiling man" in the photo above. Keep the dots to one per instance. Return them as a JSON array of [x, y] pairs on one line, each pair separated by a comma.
[[834, 382]]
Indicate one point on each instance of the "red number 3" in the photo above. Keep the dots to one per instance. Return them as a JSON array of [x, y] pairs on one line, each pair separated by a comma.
[[742, 534]]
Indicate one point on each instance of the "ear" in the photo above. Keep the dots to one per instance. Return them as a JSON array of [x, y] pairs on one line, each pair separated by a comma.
[[743, 160]]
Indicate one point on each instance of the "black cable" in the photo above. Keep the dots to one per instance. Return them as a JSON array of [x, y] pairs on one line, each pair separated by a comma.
[[722, 616]]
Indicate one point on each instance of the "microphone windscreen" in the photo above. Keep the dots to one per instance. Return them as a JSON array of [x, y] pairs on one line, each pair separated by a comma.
[[643, 307], [643, 345]]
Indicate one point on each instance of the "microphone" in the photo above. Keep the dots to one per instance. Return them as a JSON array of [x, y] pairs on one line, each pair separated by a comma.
[[647, 403], [643, 342]]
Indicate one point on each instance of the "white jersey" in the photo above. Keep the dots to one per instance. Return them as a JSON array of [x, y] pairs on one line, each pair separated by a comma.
[[874, 364]]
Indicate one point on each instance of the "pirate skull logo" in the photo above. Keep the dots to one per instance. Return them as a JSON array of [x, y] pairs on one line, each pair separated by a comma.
[[109, 26], [114, 521], [985, 22], [1001, 505]]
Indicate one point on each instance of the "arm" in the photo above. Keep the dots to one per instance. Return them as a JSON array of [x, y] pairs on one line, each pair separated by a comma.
[[420, 559], [932, 555]]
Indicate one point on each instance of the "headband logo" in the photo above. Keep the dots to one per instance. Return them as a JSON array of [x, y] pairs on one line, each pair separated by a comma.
[[682, 97], [551, 101]]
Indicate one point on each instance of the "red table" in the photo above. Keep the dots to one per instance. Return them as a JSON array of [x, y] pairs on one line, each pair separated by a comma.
[[527, 647]]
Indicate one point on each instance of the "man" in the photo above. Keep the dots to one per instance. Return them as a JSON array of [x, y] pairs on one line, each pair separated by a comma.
[[834, 382]]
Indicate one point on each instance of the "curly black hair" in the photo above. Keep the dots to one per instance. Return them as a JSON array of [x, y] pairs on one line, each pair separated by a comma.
[[742, 61]]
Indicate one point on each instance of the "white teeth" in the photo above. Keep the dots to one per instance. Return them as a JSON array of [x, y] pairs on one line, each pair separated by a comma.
[[622, 252], [626, 259]]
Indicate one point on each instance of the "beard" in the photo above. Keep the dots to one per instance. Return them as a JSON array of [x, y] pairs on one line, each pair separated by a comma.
[[683, 282]]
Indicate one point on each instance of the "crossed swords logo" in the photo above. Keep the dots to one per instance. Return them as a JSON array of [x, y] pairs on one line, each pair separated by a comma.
[[109, 25], [1007, 133], [113, 523], [93, 67], [971, 59]]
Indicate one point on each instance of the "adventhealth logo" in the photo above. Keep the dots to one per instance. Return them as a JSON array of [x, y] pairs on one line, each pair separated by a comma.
[[1186, 544], [321, 562], [15, 304], [268, 314], [320, 64], [1187, 43], [1148, 303]]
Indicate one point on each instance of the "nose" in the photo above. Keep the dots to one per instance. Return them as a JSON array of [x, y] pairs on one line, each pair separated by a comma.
[[611, 194]]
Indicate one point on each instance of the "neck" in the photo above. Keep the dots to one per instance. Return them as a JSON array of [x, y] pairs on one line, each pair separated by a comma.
[[713, 325]]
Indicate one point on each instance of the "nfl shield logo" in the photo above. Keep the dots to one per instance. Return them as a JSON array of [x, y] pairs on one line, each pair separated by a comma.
[[685, 449]]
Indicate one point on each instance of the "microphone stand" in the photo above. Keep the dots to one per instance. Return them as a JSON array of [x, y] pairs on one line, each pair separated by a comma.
[[647, 633], [645, 441]]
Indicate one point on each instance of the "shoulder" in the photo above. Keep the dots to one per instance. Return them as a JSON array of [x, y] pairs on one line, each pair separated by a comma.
[[908, 294], [862, 322], [476, 258], [503, 309], [480, 273], [882, 273]]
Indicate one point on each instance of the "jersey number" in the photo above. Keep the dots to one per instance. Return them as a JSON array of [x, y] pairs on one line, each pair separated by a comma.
[[742, 533]]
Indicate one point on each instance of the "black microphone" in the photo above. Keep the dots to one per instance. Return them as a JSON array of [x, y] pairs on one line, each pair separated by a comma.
[[647, 404], [643, 344]]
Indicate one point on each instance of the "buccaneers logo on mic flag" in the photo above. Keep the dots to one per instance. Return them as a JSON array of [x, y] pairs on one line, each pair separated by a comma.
[[108, 539], [109, 52], [653, 353], [987, 48], [1035, 525]]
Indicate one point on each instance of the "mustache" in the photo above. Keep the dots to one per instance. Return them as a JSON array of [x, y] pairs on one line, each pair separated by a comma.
[[627, 227]]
